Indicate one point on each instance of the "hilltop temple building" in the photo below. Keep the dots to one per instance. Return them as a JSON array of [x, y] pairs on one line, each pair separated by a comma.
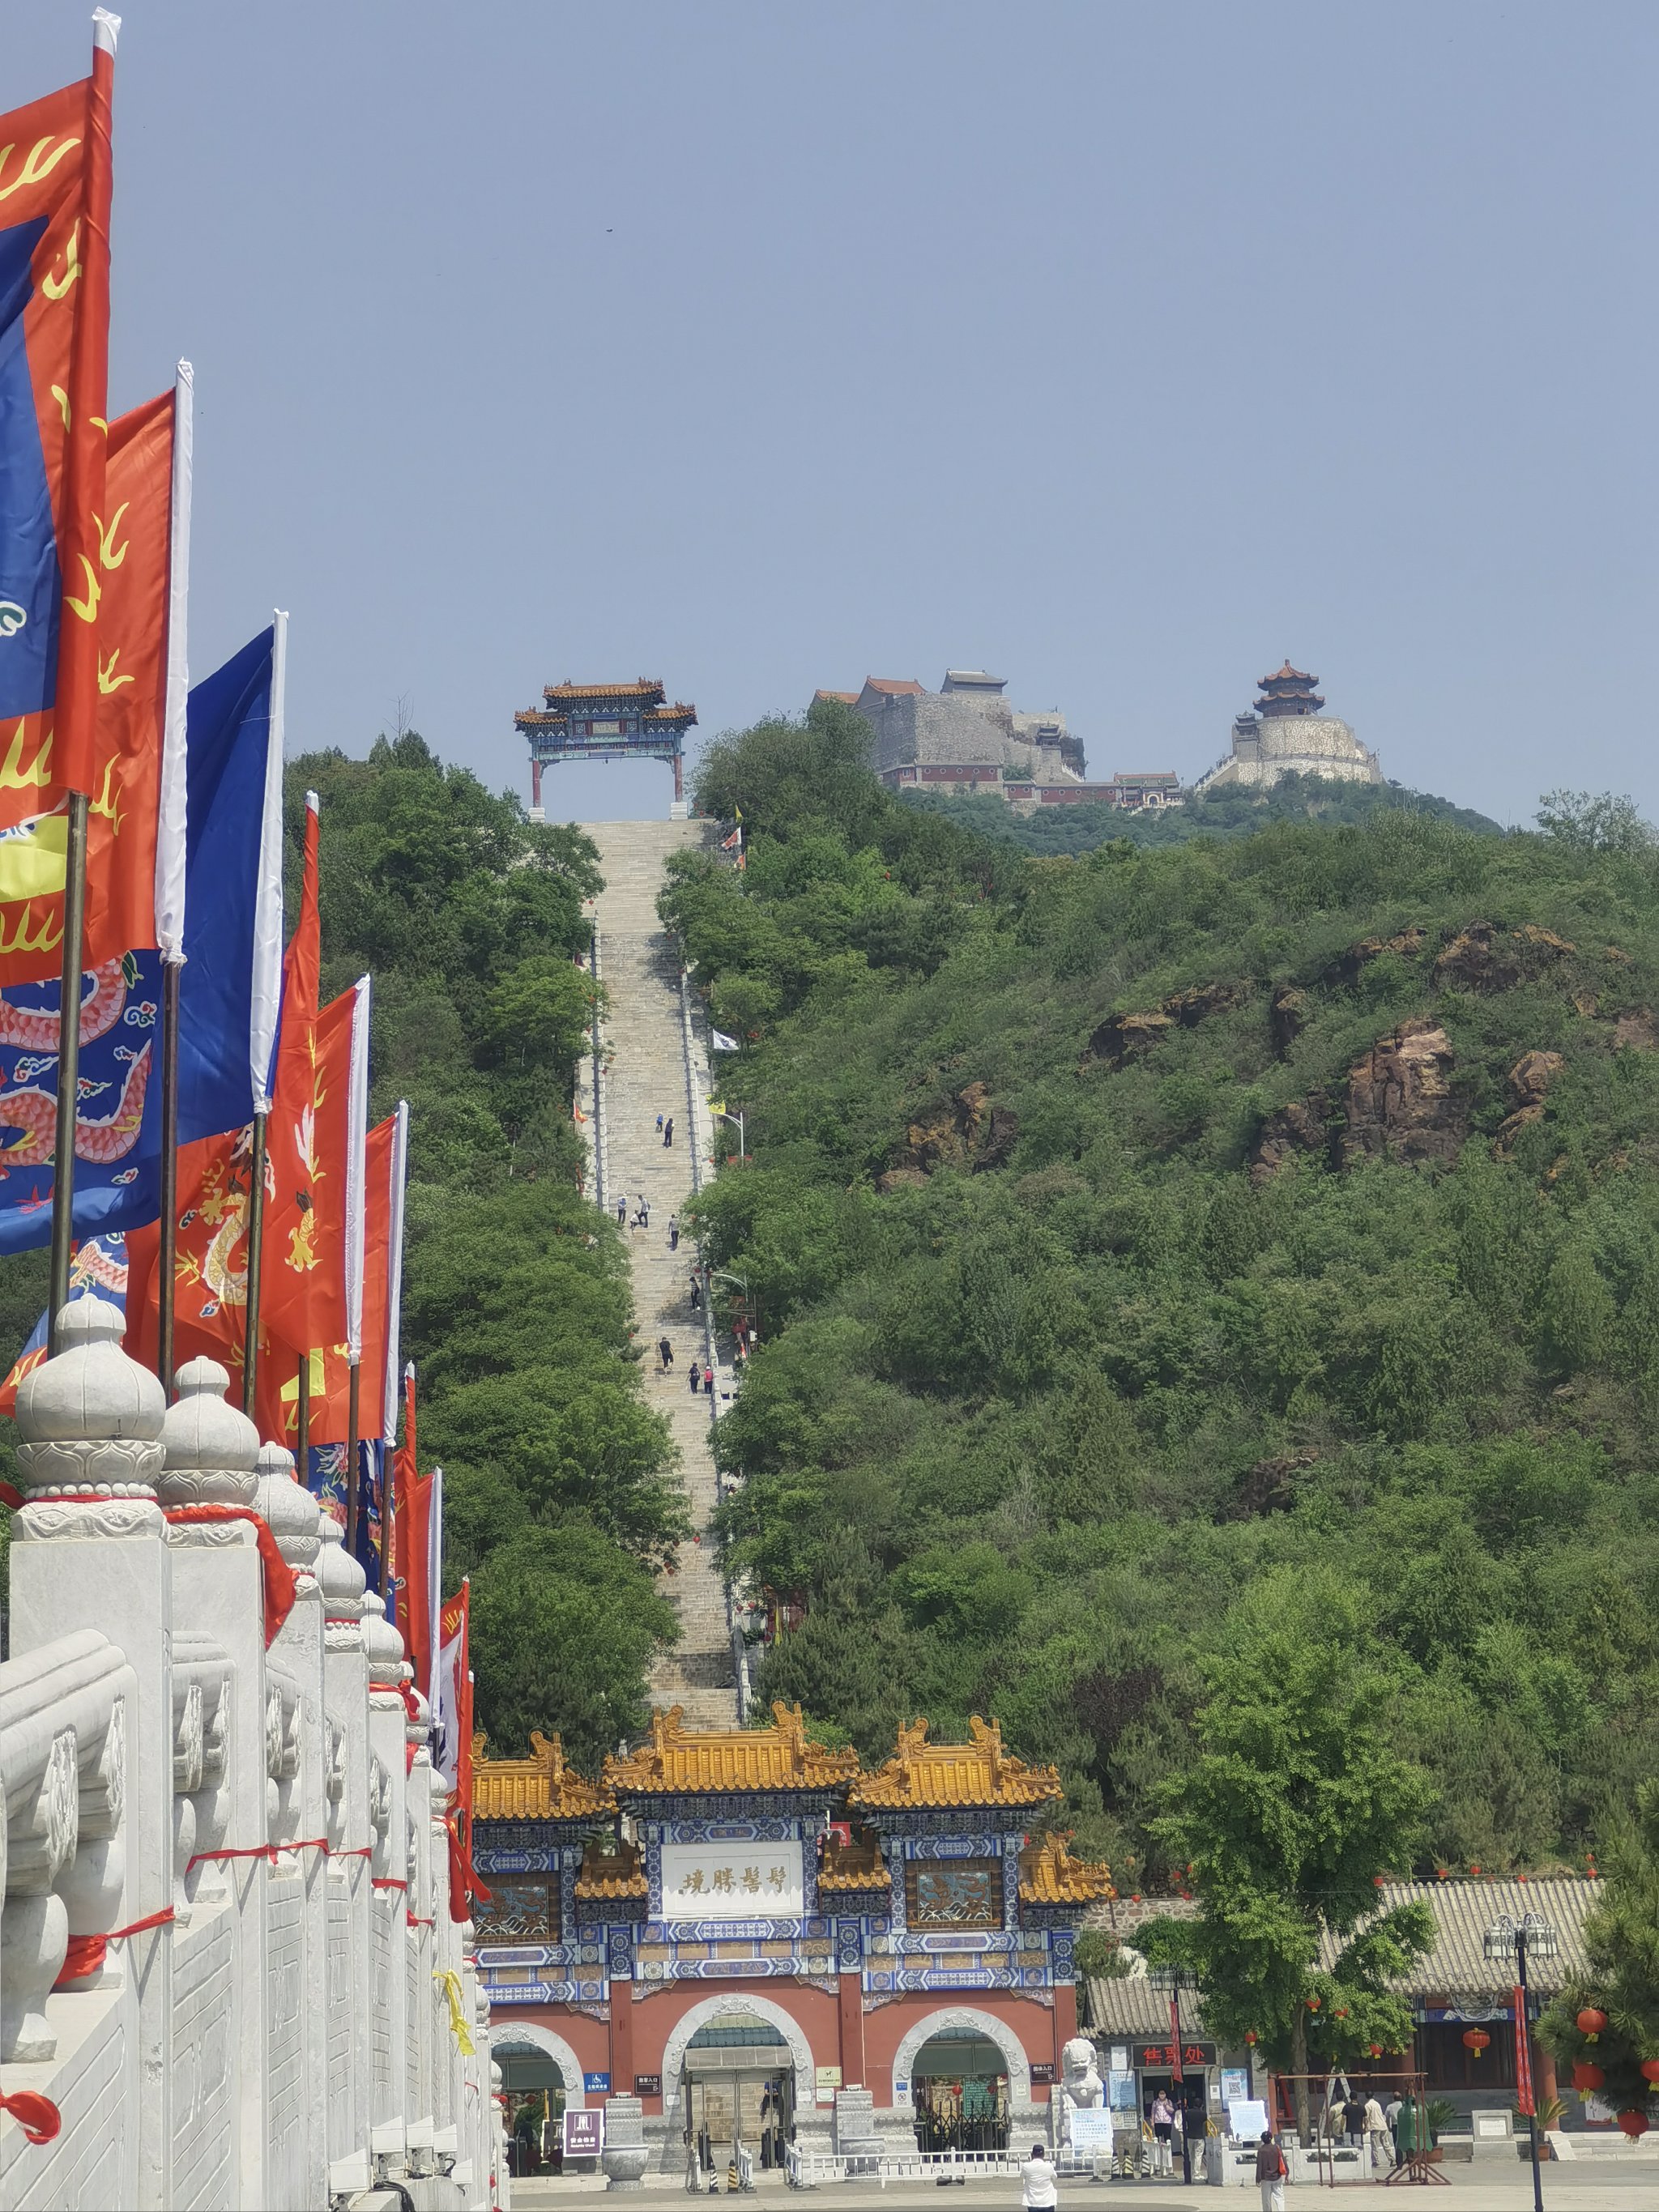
[[766, 1943], [1286, 735]]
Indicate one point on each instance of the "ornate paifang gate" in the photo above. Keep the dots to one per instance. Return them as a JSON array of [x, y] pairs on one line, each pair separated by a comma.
[[604, 721]]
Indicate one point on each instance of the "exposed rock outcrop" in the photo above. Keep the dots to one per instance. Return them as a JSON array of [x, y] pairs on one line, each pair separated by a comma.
[[1483, 958], [1401, 1105], [1297, 1130], [1347, 966], [1636, 1032], [1398, 1104], [1288, 1015], [1529, 1080], [968, 1133], [1123, 1037]]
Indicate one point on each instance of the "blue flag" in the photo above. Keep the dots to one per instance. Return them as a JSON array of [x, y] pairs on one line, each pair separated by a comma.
[[228, 990]]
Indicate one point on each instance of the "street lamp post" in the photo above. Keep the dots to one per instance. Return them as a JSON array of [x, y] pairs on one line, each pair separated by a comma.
[[1171, 1980], [1531, 1936]]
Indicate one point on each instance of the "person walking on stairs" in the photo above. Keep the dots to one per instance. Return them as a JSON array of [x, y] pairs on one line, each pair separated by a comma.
[[697, 1379], [696, 1292], [668, 1131], [665, 1353], [673, 1232], [621, 1213], [708, 1379], [660, 1125]]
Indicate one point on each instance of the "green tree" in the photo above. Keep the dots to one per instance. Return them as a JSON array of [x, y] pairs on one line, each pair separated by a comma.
[[1577, 1312], [1294, 1805], [1594, 821], [564, 1627], [1621, 1944]]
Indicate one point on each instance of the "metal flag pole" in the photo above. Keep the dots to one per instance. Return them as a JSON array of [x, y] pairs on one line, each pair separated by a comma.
[[303, 1422], [69, 1061], [267, 998], [353, 1415], [169, 1198], [256, 1239], [171, 854]]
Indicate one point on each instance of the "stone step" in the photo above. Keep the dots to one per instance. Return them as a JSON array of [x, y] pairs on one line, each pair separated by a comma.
[[647, 1075]]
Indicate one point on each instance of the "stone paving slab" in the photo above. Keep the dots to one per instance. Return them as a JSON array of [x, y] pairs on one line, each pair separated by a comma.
[[645, 1076]]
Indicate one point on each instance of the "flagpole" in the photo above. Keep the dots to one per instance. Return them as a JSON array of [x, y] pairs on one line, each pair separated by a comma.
[[169, 1259], [302, 1438], [354, 1414], [69, 1059], [256, 1237], [170, 844]]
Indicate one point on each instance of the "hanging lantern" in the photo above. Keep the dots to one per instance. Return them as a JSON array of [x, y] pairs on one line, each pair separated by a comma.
[[1314, 2003], [1376, 2050], [1586, 2077], [1634, 2124], [1650, 2069], [1250, 2036], [1590, 2022], [1475, 2039]]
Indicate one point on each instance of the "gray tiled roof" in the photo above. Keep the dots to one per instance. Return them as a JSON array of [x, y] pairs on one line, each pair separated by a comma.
[[1463, 1911], [1455, 1967]]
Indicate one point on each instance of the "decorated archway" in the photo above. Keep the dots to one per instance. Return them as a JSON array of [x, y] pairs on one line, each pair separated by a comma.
[[964, 2020], [504, 2034], [733, 2007]]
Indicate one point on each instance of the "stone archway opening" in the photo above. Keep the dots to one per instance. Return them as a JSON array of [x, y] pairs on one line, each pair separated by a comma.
[[960, 2094], [541, 2079], [735, 2072]]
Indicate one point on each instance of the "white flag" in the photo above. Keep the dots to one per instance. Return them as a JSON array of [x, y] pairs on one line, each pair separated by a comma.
[[722, 1043]]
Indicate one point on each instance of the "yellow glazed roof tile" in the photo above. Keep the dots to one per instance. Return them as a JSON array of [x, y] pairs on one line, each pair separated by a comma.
[[539, 1788], [684, 1762], [1049, 1874], [923, 1775]]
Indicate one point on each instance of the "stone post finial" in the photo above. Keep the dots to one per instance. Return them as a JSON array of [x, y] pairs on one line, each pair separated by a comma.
[[90, 1419], [288, 1506], [340, 1576], [382, 1645], [211, 1447]]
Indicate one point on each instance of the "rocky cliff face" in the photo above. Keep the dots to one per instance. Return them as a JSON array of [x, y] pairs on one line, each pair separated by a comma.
[[969, 1134]]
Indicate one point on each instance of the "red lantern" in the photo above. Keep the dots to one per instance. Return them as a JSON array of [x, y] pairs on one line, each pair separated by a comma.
[[1376, 2050], [1590, 2022], [1634, 2124], [1475, 2039], [1650, 2069], [1586, 2077], [1250, 2036], [1314, 2003]]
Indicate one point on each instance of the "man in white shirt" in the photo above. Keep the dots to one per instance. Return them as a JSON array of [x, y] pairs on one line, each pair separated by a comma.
[[1037, 2192]]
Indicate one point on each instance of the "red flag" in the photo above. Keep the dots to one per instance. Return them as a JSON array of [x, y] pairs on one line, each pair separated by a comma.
[[378, 1154], [411, 1510], [302, 1292], [1524, 2096], [216, 1181]]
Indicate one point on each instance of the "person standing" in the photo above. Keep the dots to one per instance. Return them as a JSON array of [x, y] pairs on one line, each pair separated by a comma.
[[708, 1379], [668, 1130], [1354, 2119], [1378, 2137], [665, 1353], [673, 1232], [1270, 2171], [696, 1293], [1037, 2190], [697, 1379], [1163, 2126], [660, 1125], [621, 1213]]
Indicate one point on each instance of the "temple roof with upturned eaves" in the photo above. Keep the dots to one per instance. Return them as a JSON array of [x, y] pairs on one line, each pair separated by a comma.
[[1049, 1874], [644, 689], [680, 1761], [925, 1777], [539, 1788]]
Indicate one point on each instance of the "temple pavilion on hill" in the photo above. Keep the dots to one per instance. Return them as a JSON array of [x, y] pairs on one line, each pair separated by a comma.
[[604, 721], [766, 1943], [1288, 732]]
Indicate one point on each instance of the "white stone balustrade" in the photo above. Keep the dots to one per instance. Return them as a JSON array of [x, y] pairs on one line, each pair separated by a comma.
[[270, 2025]]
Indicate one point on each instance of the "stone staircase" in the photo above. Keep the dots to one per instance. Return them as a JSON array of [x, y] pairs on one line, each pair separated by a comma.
[[647, 1075]]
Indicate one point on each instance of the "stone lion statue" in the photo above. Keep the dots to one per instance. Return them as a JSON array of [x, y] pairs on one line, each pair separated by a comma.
[[1080, 2074]]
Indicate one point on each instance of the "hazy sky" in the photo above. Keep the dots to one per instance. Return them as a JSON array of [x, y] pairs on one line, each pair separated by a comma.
[[1123, 349]]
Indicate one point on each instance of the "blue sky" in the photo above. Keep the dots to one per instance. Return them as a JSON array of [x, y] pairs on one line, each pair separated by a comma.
[[1124, 349]]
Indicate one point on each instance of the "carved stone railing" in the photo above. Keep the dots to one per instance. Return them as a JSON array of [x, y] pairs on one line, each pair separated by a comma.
[[243, 1843]]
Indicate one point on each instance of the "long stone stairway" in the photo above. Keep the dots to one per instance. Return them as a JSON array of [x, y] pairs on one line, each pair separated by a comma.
[[647, 1075]]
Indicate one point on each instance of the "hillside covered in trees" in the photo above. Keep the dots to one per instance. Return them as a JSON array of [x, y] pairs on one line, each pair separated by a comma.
[[1137, 1236], [1053, 830]]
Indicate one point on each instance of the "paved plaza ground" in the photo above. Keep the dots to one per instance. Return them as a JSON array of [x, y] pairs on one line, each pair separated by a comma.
[[1615, 2182]]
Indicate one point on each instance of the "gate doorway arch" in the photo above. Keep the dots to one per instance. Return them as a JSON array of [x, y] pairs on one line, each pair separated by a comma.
[[967, 2023], [508, 2039]]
